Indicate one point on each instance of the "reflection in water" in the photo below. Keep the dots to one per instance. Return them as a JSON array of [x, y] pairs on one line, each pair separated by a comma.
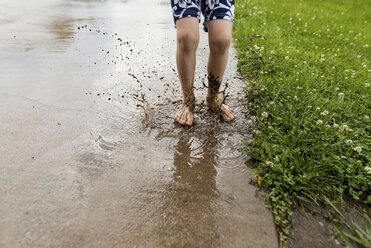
[[190, 208]]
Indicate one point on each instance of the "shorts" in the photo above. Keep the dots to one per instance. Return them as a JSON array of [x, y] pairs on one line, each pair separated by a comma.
[[211, 10]]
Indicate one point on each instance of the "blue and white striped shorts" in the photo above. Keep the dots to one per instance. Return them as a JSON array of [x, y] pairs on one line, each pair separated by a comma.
[[211, 9]]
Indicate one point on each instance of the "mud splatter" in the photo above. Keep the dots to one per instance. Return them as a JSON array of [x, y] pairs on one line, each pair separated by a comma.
[[212, 93], [189, 99]]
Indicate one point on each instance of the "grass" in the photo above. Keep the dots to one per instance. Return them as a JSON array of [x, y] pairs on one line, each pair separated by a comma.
[[309, 99], [361, 234]]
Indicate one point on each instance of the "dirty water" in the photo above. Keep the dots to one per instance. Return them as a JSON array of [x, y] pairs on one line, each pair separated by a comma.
[[91, 156]]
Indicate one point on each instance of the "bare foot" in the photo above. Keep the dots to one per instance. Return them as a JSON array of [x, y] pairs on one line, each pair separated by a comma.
[[184, 114], [226, 112]]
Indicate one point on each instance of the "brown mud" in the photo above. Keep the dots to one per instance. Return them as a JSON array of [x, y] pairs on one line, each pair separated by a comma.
[[91, 156], [213, 92], [215, 104], [189, 99]]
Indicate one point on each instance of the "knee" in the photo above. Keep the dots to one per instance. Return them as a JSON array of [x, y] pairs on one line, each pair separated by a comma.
[[220, 43], [187, 40]]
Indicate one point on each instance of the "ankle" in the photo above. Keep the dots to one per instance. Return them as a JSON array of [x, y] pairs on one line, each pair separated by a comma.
[[213, 87], [189, 98], [211, 98]]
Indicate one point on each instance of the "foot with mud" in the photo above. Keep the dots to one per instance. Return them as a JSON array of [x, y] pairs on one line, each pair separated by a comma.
[[212, 102], [226, 112], [185, 113]]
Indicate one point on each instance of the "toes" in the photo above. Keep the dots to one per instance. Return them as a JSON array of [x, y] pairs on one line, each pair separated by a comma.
[[228, 114], [231, 114], [225, 118], [186, 118], [189, 119], [183, 118], [178, 115]]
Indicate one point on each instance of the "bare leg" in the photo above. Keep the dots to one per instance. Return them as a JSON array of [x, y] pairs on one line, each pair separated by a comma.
[[220, 36], [187, 43]]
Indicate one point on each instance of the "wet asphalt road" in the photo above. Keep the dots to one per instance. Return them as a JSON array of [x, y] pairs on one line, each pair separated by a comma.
[[90, 155]]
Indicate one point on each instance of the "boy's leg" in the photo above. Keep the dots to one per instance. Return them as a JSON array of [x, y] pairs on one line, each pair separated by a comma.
[[187, 43], [220, 37]]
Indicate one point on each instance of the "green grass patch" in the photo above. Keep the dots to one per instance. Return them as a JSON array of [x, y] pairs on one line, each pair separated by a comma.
[[308, 94]]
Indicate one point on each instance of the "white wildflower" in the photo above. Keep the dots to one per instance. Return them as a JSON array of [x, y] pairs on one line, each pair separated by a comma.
[[349, 142], [318, 108], [335, 125], [341, 94], [264, 114], [368, 169], [319, 122], [269, 163], [257, 132], [357, 149], [367, 117], [324, 112]]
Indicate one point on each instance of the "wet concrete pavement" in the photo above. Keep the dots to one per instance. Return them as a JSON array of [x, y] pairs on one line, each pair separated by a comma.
[[90, 155]]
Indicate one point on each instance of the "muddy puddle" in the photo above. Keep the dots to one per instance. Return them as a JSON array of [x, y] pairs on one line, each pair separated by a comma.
[[92, 156]]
